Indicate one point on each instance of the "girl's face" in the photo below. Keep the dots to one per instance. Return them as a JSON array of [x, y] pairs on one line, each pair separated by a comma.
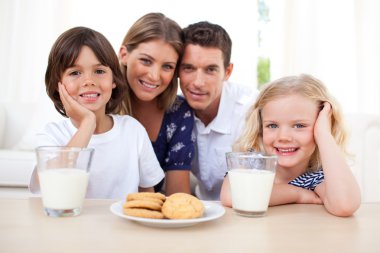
[[150, 68], [88, 81], [288, 130]]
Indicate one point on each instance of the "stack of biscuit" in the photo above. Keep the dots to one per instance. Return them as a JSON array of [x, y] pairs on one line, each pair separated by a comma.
[[157, 206]]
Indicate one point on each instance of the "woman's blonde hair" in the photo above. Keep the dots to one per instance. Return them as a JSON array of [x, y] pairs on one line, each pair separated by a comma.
[[304, 85], [150, 27]]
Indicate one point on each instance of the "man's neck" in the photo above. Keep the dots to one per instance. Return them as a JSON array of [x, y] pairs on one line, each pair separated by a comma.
[[209, 114]]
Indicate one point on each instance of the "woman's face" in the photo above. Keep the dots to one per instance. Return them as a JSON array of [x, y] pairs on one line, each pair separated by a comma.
[[150, 68]]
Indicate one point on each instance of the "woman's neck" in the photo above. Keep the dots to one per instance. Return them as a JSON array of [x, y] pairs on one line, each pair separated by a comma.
[[149, 115]]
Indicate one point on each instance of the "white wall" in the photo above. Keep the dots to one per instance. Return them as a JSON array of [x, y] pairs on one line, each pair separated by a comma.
[[28, 28]]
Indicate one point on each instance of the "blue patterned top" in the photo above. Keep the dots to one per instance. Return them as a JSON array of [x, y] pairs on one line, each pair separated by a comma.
[[308, 180], [174, 146]]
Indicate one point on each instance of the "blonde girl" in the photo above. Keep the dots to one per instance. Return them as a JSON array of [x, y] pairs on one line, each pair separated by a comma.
[[298, 120]]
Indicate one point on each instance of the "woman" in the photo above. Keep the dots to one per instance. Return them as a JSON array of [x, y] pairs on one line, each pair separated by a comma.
[[149, 58]]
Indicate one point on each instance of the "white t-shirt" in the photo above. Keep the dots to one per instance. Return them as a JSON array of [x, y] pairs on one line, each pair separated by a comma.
[[123, 159], [217, 138]]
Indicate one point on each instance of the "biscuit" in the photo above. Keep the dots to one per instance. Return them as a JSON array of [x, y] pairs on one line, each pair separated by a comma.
[[143, 213], [182, 206], [144, 195], [143, 203]]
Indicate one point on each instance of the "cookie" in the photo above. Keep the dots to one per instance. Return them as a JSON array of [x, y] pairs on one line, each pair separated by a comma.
[[143, 203], [144, 195], [182, 206], [143, 213]]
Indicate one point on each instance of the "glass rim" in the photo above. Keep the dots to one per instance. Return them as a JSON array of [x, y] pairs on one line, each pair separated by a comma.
[[250, 154]]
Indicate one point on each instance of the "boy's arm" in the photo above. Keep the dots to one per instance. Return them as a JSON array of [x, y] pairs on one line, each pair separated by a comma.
[[339, 192], [84, 119]]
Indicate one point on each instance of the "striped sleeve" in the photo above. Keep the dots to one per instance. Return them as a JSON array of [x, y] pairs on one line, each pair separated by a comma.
[[308, 180]]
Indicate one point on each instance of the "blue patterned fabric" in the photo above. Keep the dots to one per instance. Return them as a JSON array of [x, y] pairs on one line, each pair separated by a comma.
[[174, 146], [308, 180]]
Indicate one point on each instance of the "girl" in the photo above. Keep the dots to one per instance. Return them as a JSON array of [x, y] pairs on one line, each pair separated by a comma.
[[149, 58], [84, 81], [298, 120]]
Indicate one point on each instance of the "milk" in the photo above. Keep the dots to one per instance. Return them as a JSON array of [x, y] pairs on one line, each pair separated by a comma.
[[250, 190], [63, 188]]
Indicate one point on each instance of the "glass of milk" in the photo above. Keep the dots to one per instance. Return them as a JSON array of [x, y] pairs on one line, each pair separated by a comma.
[[251, 176], [63, 174]]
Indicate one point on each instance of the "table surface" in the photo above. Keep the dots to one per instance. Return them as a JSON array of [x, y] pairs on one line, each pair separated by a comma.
[[289, 228]]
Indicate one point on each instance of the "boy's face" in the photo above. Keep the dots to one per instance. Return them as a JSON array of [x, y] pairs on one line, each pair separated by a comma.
[[89, 82], [288, 131], [202, 74]]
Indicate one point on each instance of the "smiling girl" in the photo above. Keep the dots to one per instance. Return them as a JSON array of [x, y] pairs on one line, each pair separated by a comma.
[[84, 81], [297, 119]]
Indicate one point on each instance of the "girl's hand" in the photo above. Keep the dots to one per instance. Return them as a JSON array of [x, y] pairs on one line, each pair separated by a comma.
[[74, 110], [308, 197], [323, 122]]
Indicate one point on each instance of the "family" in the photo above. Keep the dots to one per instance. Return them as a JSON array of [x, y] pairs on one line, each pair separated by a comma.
[[148, 138]]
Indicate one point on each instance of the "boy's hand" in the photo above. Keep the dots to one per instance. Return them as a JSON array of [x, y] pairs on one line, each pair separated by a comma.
[[74, 110]]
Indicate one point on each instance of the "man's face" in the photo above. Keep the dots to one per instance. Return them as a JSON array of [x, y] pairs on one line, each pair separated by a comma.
[[202, 74]]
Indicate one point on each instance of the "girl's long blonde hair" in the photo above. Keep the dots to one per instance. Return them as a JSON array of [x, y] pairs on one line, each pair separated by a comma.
[[304, 85]]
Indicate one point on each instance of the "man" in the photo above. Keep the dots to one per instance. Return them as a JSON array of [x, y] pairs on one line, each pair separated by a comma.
[[219, 105]]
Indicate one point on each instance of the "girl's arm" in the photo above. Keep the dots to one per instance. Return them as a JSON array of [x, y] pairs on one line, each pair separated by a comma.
[[225, 193], [84, 119], [281, 194], [288, 194], [339, 192]]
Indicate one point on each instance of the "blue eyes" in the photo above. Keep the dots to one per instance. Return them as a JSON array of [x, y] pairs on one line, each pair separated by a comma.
[[294, 126]]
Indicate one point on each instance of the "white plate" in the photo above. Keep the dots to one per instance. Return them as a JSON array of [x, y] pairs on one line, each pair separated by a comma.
[[212, 211]]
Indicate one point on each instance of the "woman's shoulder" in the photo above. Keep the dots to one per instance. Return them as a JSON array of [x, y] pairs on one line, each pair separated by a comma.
[[180, 109]]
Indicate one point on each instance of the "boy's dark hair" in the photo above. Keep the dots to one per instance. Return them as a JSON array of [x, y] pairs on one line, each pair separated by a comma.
[[65, 52], [206, 34]]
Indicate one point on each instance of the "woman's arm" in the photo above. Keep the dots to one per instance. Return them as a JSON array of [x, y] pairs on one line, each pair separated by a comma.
[[177, 181], [181, 146], [148, 189], [339, 192]]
